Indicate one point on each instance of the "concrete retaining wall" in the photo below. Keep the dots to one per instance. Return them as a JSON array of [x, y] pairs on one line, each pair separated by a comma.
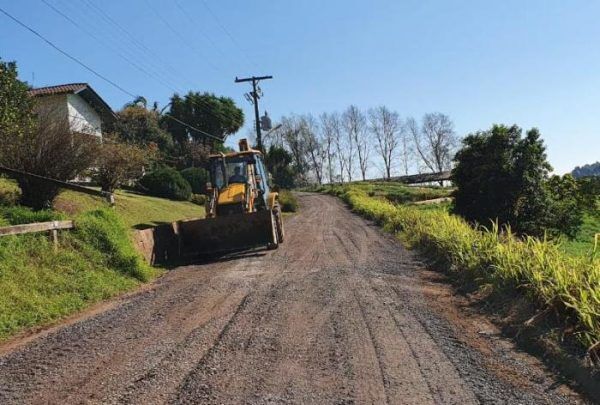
[[160, 244]]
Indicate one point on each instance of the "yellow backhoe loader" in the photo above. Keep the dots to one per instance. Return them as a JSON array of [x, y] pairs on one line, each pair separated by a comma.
[[241, 211]]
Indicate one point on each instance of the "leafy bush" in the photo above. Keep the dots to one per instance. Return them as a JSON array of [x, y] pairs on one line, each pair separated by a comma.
[[119, 162], [537, 268], [168, 183], [10, 193], [279, 164], [288, 201], [198, 199], [197, 177]]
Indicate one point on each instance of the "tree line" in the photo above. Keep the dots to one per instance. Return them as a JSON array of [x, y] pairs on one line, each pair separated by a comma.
[[342, 147]]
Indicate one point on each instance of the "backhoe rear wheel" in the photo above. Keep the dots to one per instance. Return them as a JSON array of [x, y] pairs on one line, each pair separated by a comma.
[[275, 244], [279, 223]]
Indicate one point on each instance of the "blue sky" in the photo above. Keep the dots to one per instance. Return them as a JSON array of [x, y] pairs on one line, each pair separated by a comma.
[[533, 63]]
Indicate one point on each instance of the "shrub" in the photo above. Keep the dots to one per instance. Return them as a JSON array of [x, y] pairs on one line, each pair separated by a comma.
[[119, 162], [198, 199], [288, 201], [197, 177], [168, 183], [34, 141], [10, 193]]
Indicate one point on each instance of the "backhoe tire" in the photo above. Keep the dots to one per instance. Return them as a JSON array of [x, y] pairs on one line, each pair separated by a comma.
[[279, 223], [274, 245]]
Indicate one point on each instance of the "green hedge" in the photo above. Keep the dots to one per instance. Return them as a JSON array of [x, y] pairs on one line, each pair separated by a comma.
[[168, 183], [197, 177]]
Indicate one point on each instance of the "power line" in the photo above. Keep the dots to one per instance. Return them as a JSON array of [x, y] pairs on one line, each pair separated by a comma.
[[138, 44], [74, 59], [206, 107], [194, 128], [226, 31], [196, 25], [93, 36], [181, 36]]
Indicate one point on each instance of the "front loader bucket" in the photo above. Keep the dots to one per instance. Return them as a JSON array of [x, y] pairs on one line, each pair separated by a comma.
[[227, 233]]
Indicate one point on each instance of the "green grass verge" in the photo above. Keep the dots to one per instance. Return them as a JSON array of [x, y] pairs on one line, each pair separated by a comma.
[[95, 261], [137, 210], [288, 201], [538, 269], [583, 243], [39, 285]]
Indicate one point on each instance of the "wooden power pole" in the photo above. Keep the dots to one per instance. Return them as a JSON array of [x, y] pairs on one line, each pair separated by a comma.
[[254, 96]]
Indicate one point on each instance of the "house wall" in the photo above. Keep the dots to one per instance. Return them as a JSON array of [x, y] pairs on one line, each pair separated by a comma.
[[82, 117]]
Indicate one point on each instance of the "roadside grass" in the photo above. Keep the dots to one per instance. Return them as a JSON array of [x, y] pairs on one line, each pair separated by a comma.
[[538, 269], [288, 201], [394, 192], [583, 243], [137, 210], [39, 285], [94, 261]]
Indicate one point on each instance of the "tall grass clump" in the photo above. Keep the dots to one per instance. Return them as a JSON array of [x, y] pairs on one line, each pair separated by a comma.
[[39, 284], [103, 231], [539, 269], [288, 201]]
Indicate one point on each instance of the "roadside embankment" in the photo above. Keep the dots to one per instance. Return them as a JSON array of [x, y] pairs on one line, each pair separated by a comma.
[[38, 284]]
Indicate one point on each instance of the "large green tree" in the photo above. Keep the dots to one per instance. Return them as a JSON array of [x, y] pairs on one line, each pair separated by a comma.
[[218, 116], [279, 165], [136, 124], [502, 176], [16, 107]]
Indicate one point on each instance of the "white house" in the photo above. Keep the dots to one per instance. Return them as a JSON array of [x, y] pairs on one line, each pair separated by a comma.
[[78, 103]]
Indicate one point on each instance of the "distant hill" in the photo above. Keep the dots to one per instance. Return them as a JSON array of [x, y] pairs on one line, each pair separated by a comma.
[[592, 169]]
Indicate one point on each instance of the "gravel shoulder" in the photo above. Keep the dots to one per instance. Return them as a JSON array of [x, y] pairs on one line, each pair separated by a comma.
[[341, 313]]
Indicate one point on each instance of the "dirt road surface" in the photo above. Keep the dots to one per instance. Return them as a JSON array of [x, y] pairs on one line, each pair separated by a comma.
[[340, 314]]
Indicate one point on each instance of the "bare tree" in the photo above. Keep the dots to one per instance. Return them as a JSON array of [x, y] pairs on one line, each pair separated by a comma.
[[329, 126], [407, 152], [355, 125], [386, 126], [335, 124], [435, 140], [49, 148], [313, 147], [291, 135]]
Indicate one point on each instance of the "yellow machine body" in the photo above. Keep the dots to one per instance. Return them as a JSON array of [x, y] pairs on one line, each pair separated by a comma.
[[241, 211]]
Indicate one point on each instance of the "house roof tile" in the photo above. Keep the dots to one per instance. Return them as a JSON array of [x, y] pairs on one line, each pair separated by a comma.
[[70, 88]]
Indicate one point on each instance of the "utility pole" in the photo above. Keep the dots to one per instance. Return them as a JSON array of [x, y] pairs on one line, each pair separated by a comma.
[[254, 95]]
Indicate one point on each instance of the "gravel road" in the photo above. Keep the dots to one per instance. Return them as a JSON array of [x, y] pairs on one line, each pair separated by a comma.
[[340, 314]]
